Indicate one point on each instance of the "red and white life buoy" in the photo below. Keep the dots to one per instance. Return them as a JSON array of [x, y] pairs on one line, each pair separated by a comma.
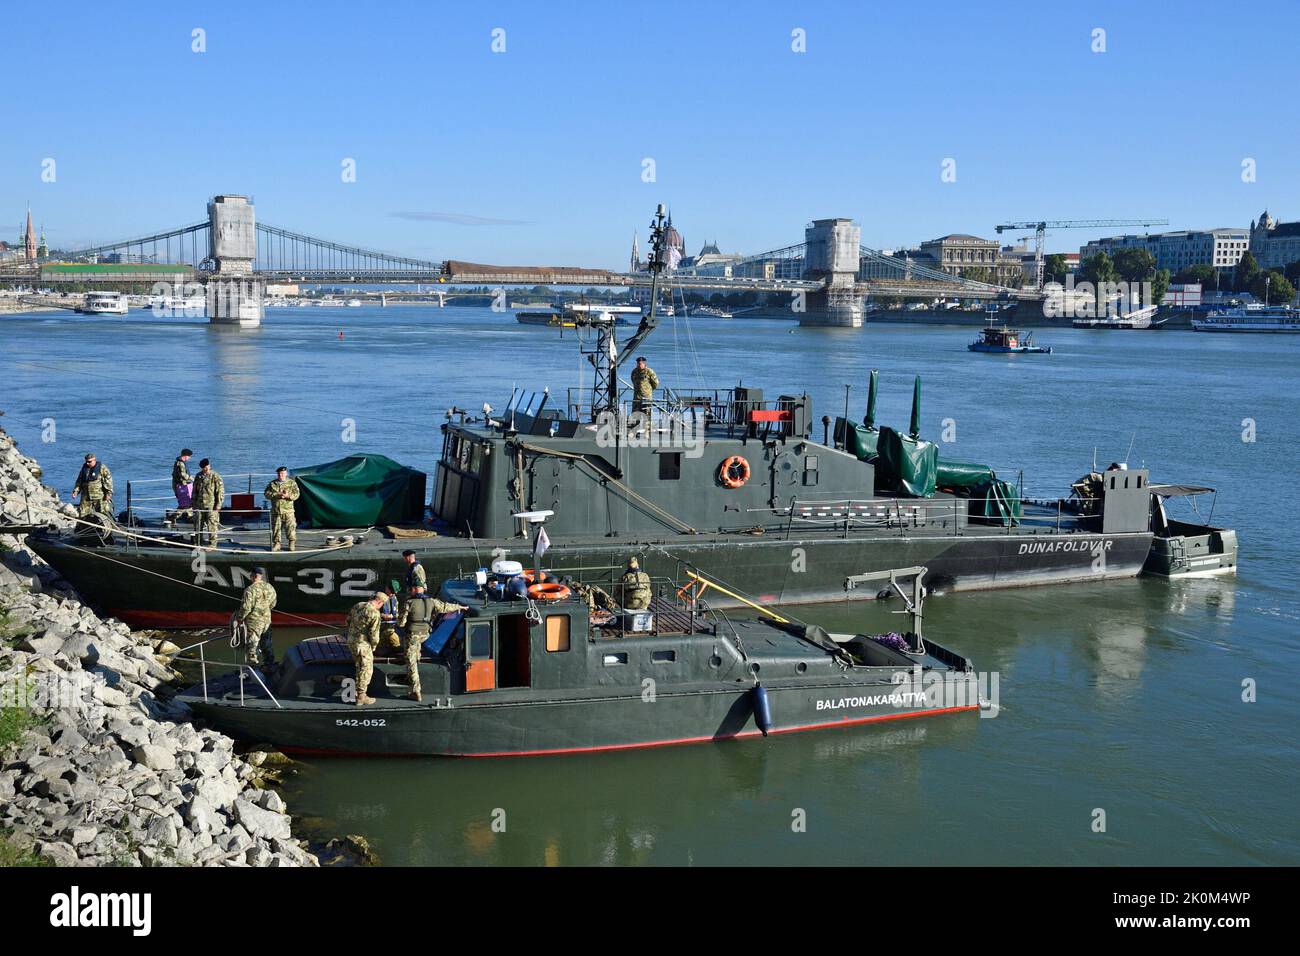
[[734, 472]]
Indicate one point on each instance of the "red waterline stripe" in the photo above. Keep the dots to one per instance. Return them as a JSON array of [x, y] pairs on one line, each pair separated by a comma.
[[654, 743]]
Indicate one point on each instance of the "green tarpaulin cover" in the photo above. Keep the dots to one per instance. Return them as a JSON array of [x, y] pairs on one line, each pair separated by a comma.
[[856, 439], [962, 474], [906, 466], [358, 491], [999, 500]]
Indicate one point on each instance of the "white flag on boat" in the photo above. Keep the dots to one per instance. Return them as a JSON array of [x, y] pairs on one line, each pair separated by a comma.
[[543, 542], [674, 257]]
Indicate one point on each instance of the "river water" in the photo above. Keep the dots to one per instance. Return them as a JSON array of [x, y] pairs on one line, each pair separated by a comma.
[[1124, 698]]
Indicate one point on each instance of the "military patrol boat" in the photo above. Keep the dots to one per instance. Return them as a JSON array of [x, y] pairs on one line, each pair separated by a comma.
[[530, 670], [733, 481]]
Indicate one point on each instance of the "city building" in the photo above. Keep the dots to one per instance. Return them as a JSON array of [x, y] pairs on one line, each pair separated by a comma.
[[1220, 248], [973, 257], [1275, 245], [710, 261]]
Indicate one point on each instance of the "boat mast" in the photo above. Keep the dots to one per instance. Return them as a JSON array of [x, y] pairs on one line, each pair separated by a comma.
[[607, 356]]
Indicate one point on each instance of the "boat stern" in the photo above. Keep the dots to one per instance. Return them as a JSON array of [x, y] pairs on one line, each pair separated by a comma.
[[1207, 552]]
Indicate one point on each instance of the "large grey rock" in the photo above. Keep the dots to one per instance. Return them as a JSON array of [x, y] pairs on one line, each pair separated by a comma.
[[58, 853], [260, 823], [82, 647], [46, 646], [217, 792], [154, 757]]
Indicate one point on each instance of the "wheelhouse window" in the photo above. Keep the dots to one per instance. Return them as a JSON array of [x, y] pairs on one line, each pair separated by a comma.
[[478, 640], [557, 632]]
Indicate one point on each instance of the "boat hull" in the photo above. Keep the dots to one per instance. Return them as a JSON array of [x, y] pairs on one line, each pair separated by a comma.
[[462, 726], [153, 587], [1005, 350]]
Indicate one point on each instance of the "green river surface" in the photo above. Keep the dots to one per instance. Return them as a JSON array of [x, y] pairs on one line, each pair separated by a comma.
[[1124, 697]]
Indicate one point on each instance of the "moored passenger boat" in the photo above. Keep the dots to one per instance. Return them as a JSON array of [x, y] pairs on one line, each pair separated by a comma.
[[1250, 318]]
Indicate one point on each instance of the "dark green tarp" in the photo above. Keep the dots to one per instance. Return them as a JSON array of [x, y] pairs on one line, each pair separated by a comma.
[[905, 466], [962, 474], [856, 439], [998, 500], [359, 491]]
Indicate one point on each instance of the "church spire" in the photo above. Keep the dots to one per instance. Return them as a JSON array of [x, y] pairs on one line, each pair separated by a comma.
[[29, 241]]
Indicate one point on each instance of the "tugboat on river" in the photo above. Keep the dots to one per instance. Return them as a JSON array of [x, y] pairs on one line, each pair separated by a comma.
[[1003, 340], [730, 481]]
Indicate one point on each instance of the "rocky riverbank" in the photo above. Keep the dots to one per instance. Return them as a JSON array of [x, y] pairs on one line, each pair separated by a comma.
[[98, 767]]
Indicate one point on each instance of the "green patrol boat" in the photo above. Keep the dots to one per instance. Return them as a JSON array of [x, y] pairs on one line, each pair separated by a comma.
[[731, 481], [521, 674]]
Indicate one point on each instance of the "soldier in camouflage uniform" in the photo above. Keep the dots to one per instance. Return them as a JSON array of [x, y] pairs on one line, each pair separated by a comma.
[[644, 383], [415, 576], [255, 612], [209, 496], [636, 587], [182, 483], [363, 636], [280, 494], [417, 623], [593, 596], [94, 486]]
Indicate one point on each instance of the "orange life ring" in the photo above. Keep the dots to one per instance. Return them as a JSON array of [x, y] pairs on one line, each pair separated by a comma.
[[549, 591], [734, 472]]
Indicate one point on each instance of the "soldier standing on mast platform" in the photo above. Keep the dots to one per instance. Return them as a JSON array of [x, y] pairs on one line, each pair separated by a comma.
[[644, 383]]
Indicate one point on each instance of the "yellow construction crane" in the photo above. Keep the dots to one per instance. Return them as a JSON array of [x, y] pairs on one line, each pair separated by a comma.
[[1041, 226]]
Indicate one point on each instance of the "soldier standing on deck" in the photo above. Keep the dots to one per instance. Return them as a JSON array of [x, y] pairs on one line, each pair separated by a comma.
[[644, 383], [280, 494], [182, 483], [417, 623], [415, 576], [363, 636], [255, 612], [636, 587], [95, 486], [209, 496]]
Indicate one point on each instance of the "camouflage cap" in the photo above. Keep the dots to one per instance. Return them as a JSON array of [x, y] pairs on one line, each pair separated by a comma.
[[632, 562]]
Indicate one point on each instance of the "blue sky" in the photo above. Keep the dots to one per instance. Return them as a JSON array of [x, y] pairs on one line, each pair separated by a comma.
[[546, 140]]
